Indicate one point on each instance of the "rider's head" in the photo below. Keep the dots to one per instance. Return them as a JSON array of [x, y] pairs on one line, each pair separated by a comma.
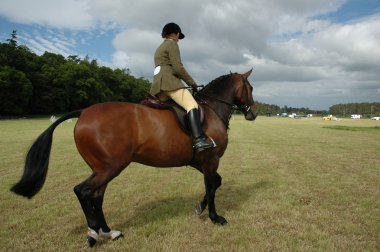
[[172, 29]]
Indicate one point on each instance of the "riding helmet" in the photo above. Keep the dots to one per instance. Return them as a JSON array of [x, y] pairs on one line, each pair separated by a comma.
[[172, 28]]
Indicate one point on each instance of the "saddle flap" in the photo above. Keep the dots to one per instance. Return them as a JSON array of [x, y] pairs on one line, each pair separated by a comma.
[[179, 112]]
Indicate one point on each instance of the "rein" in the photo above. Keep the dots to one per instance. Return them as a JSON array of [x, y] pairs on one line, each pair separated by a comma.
[[243, 108]]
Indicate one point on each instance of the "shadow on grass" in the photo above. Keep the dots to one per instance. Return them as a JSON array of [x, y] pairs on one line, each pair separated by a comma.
[[229, 197]]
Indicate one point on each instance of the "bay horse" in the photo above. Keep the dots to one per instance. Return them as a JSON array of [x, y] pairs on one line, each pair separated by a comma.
[[109, 136]]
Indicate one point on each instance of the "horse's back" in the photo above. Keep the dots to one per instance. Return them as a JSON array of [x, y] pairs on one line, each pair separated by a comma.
[[119, 132]]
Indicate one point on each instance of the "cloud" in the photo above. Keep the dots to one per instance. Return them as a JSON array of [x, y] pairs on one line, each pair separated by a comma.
[[51, 42], [299, 56], [70, 14]]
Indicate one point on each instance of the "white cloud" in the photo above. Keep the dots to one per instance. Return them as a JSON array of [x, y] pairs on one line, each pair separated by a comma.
[[70, 14], [120, 59], [286, 41]]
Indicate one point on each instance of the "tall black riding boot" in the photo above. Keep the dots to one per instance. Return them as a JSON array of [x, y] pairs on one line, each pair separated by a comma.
[[200, 142]]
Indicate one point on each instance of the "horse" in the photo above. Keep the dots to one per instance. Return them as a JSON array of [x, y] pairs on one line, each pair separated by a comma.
[[109, 136]]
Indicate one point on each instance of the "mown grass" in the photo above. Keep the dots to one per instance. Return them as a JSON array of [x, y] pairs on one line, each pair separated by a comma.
[[288, 185], [340, 127]]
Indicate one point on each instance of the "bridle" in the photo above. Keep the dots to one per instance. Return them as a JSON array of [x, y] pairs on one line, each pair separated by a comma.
[[244, 108], [247, 106]]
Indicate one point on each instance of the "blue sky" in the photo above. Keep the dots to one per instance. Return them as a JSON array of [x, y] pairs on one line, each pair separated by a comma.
[[305, 53], [352, 10], [95, 45]]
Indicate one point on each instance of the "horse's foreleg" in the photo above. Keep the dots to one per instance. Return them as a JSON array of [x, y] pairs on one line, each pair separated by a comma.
[[203, 204], [212, 183]]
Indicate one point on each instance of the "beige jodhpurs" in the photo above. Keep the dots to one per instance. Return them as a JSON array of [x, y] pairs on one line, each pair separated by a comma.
[[182, 97]]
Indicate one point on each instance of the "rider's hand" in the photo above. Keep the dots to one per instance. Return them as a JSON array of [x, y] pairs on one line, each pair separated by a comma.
[[194, 87]]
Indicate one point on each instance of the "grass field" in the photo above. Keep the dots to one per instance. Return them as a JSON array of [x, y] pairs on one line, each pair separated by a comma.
[[288, 185]]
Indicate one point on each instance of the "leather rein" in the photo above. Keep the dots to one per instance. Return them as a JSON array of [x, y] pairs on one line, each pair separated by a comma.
[[245, 108]]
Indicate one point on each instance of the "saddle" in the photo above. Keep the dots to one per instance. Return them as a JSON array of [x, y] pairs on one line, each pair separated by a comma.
[[180, 113]]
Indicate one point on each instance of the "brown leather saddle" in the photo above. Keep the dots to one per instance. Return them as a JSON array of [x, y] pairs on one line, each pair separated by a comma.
[[181, 115]]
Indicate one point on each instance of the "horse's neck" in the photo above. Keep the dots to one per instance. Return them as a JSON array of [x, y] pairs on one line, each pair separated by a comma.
[[221, 103], [224, 113]]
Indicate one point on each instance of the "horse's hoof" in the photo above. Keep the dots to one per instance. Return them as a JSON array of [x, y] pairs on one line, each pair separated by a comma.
[[92, 237], [199, 209], [91, 241], [220, 220], [118, 237], [112, 234]]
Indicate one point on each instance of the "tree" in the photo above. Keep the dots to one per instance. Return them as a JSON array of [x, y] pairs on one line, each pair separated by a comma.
[[345, 110], [15, 91], [13, 40], [51, 83]]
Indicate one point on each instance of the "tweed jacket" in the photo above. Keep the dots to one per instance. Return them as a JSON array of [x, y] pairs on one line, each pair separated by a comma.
[[169, 69]]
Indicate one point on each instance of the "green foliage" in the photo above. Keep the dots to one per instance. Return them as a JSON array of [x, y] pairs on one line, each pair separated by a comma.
[[16, 91], [365, 109], [271, 109], [50, 83]]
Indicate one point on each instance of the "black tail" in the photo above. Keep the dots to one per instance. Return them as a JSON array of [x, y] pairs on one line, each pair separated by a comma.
[[37, 160]]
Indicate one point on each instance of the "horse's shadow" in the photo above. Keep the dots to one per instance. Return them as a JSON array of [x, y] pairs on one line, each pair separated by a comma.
[[229, 197]]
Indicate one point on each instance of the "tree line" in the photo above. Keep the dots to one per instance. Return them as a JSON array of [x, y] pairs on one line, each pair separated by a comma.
[[271, 109], [365, 109], [51, 83]]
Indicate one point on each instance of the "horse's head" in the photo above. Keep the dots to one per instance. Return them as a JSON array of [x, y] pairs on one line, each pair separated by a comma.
[[230, 92], [243, 96]]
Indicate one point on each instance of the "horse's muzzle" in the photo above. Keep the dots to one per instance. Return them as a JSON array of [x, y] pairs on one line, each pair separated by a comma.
[[250, 113]]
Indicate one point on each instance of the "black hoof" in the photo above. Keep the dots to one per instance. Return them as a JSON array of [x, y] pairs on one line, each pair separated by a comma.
[[91, 241], [220, 220]]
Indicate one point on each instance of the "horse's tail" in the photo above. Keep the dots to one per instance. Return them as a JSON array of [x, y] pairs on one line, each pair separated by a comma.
[[37, 160]]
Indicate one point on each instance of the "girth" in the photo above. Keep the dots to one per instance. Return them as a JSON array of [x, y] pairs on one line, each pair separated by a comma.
[[180, 113]]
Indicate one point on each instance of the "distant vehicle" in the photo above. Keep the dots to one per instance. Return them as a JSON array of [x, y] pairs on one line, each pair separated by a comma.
[[294, 116], [356, 116], [329, 118], [377, 118]]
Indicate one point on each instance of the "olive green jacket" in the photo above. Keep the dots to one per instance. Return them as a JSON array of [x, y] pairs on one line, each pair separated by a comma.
[[171, 71]]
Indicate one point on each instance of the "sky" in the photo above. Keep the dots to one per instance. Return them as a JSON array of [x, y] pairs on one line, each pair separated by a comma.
[[304, 53]]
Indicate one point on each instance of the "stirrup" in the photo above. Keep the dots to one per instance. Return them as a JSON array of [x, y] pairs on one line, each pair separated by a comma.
[[203, 143]]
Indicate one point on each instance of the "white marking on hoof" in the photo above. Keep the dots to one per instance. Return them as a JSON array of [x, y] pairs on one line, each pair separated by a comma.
[[92, 233], [113, 234]]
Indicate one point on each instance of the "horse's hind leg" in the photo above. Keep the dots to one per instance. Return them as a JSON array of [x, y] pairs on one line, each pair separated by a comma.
[[91, 196]]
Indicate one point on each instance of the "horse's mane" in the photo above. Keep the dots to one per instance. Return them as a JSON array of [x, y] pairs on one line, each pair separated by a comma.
[[216, 82]]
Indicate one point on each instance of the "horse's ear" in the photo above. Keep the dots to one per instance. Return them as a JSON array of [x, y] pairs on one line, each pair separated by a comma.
[[247, 74]]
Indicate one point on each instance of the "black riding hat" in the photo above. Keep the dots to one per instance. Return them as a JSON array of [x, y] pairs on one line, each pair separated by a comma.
[[172, 28]]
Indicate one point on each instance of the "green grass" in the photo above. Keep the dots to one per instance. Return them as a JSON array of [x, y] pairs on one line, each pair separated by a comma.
[[288, 185], [340, 127]]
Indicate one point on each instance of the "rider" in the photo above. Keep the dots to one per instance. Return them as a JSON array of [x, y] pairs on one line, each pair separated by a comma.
[[167, 83]]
